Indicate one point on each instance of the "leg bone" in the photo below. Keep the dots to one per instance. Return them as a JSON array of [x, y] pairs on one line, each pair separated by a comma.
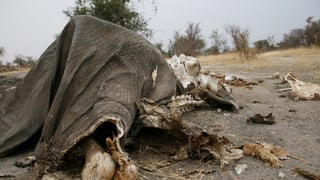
[[99, 164], [126, 170]]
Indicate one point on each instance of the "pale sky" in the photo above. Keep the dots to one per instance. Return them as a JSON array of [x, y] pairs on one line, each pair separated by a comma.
[[29, 26]]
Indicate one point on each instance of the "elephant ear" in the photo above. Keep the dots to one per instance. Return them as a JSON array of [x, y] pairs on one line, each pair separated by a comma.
[[90, 77], [25, 107], [95, 86]]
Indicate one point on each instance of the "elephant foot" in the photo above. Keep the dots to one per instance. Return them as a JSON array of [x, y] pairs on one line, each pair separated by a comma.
[[98, 164]]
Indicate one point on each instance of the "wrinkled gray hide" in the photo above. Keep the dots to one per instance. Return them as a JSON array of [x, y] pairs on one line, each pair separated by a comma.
[[93, 71]]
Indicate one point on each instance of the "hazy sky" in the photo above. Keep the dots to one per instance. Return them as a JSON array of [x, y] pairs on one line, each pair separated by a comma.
[[29, 26]]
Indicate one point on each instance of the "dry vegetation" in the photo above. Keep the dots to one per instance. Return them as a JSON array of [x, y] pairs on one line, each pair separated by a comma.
[[5, 70], [304, 62]]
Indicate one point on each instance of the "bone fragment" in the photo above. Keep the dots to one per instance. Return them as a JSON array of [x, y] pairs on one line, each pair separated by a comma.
[[262, 152], [99, 164], [240, 168], [285, 89], [126, 170], [307, 174]]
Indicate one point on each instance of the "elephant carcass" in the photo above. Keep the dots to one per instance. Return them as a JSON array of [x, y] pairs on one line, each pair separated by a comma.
[[204, 84], [83, 91]]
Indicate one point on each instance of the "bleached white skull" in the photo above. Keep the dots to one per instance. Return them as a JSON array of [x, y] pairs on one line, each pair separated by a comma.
[[186, 69]]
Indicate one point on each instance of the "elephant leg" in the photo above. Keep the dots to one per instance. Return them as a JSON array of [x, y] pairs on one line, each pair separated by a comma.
[[99, 164]]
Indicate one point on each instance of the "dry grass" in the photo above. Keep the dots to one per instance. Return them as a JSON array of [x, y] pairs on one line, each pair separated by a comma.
[[12, 70], [293, 52], [301, 61], [221, 58]]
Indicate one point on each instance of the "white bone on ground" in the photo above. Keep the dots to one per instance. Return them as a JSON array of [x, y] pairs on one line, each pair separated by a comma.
[[99, 164], [185, 68]]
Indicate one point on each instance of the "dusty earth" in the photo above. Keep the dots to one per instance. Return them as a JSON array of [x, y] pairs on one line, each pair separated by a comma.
[[296, 129]]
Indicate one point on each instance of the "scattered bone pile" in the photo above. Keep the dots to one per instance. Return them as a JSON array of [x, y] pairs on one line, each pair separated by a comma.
[[168, 117], [199, 87], [201, 84]]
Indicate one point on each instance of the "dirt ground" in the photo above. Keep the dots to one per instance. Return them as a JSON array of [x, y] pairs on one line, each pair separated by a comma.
[[296, 129]]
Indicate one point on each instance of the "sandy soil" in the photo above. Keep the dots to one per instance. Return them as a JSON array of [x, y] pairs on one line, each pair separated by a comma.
[[296, 129]]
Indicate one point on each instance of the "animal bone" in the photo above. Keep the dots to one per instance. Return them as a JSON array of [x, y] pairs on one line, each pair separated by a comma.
[[125, 168], [112, 164], [302, 90], [206, 85], [186, 69], [152, 115], [165, 116], [99, 164], [267, 152], [184, 103]]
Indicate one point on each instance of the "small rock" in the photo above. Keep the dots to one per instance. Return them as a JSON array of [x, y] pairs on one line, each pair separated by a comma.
[[282, 175], [292, 110], [282, 96], [256, 102], [240, 168], [226, 114], [25, 162], [229, 176]]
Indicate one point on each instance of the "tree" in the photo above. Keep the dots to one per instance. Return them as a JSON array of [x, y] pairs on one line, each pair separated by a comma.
[[160, 47], [116, 11], [24, 61], [312, 32], [190, 44], [240, 39], [219, 43], [262, 45], [295, 38], [307, 36], [265, 44], [2, 52]]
